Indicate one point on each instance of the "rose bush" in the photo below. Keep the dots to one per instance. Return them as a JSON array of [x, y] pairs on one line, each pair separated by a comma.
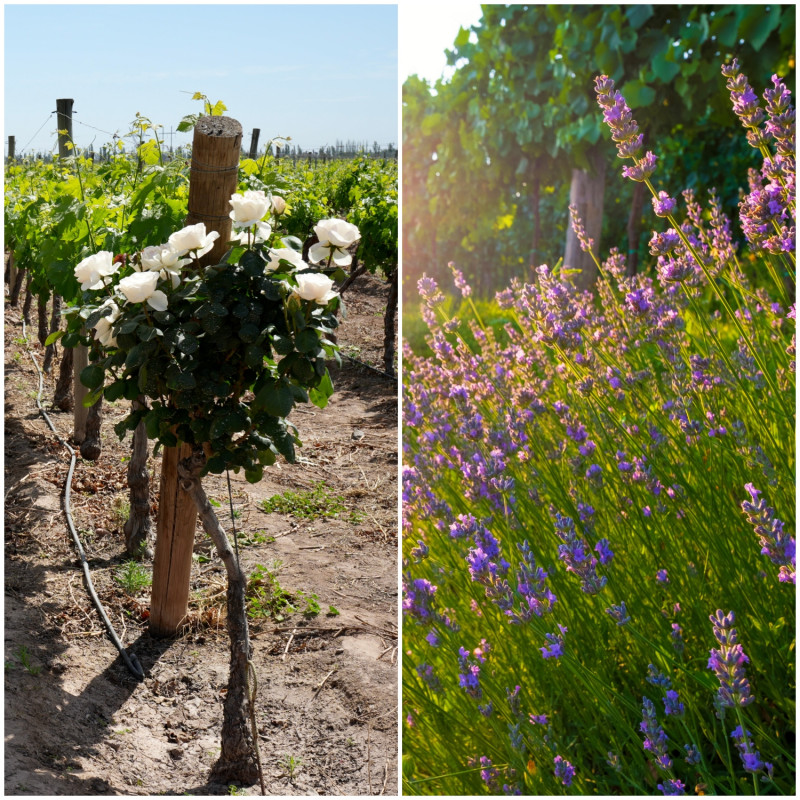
[[223, 352]]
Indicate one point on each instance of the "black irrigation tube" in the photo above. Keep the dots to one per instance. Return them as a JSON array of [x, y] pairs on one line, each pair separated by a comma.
[[369, 366], [131, 662]]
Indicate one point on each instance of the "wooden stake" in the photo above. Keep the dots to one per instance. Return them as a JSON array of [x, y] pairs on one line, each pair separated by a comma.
[[253, 142], [64, 123], [214, 177]]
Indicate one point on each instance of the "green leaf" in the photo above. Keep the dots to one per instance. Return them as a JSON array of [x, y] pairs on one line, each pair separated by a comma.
[[92, 397], [93, 376], [114, 391], [275, 398], [638, 15], [307, 341], [637, 94], [254, 475], [320, 395], [282, 344], [53, 337]]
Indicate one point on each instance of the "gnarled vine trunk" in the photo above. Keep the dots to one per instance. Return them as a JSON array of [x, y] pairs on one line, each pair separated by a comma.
[[388, 324], [62, 397], [15, 289], [42, 308], [26, 306], [138, 525], [55, 324], [238, 760], [90, 446]]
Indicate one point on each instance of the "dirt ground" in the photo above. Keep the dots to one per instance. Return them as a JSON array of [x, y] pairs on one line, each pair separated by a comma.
[[78, 723]]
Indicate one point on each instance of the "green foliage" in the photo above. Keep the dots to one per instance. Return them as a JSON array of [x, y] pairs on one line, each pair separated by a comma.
[[266, 597], [315, 503], [488, 154], [133, 577]]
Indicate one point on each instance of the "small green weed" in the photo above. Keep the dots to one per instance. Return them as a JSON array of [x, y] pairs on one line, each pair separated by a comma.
[[133, 577], [267, 597], [291, 765], [257, 537], [333, 612], [24, 656], [236, 790], [312, 604], [315, 503]]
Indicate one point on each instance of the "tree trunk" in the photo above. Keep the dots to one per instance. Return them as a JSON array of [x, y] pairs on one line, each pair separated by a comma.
[[536, 214], [90, 446], [80, 360], [635, 226], [42, 319], [55, 324], [238, 760], [388, 324], [586, 192], [15, 289], [62, 398], [26, 306], [138, 525], [356, 271]]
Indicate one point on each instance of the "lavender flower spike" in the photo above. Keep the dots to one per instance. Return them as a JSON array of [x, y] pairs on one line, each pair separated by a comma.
[[564, 770], [775, 543], [728, 663]]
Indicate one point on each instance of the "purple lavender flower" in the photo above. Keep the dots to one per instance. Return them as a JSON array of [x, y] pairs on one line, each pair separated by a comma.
[[751, 758], [458, 278], [418, 598], [745, 103], [655, 740], [663, 244], [672, 704], [664, 205], [728, 663], [470, 669], [555, 648], [775, 543], [661, 576], [577, 225], [603, 550], [432, 639], [692, 754], [619, 614], [677, 638], [564, 770], [540, 719], [537, 599], [672, 786], [781, 117], [576, 557], [657, 678]]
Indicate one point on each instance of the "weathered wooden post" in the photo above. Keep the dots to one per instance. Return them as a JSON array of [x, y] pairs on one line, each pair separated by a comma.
[[254, 142], [12, 143], [214, 177], [64, 123]]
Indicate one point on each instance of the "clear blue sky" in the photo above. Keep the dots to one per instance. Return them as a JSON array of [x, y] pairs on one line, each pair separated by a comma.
[[317, 73]]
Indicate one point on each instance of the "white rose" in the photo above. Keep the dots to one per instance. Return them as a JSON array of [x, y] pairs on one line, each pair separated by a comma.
[[249, 208], [94, 271], [335, 236], [315, 287], [278, 204], [141, 287], [263, 232], [193, 237], [287, 254], [102, 327]]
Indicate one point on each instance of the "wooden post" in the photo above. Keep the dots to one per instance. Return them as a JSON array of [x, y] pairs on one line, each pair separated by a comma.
[[64, 122], [11, 148], [254, 142], [214, 177]]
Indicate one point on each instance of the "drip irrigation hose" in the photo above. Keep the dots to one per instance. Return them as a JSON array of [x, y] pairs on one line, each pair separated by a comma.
[[131, 662], [369, 366]]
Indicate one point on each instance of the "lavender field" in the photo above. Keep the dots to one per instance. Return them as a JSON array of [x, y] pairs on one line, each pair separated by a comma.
[[599, 503]]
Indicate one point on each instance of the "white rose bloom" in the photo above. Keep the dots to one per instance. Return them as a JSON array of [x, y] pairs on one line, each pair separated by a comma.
[[141, 287], [335, 236], [94, 271], [263, 232], [164, 259], [287, 254], [103, 326], [193, 237], [278, 204], [316, 287], [249, 208]]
